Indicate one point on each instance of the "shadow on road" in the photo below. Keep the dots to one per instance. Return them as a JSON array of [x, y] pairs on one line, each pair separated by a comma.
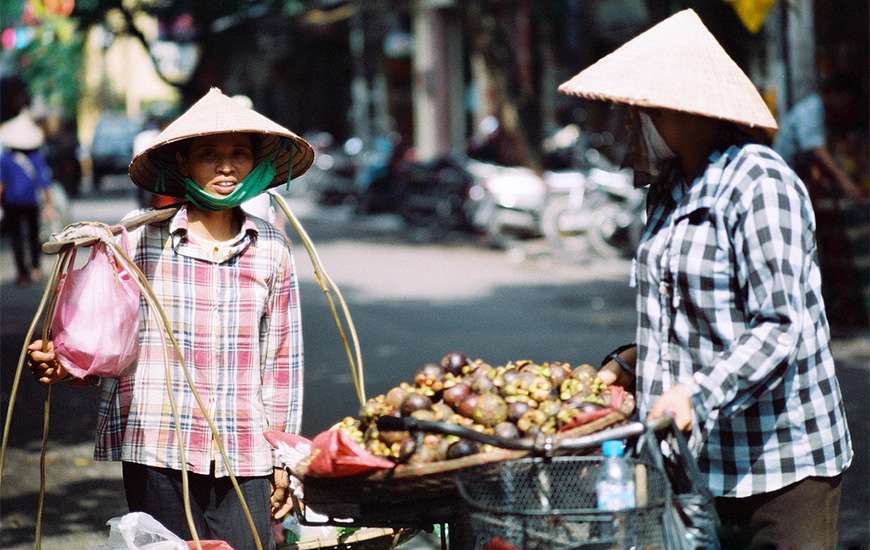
[[75, 507]]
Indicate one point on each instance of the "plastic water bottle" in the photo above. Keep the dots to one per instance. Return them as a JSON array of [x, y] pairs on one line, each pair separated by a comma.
[[615, 491]]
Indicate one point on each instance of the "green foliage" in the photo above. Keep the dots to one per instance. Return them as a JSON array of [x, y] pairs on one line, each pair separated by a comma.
[[10, 12], [51, 63]]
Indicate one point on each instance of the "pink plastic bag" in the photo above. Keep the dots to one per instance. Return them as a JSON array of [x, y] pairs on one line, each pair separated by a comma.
[[96, 323]]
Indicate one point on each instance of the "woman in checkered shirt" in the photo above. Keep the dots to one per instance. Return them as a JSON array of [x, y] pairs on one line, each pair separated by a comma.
[[732, 336]]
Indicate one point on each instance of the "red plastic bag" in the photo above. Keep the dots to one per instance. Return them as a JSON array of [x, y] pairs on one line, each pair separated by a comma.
[[95, 326], [209, 545], [337, 455]]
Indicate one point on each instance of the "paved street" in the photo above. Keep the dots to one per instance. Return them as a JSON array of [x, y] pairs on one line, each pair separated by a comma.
[[412, 301]]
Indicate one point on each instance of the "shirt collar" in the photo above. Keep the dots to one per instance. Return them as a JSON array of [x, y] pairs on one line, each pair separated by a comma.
[[180, 221]]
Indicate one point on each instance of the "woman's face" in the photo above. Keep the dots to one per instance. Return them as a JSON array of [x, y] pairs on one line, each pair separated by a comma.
[[218, 163]]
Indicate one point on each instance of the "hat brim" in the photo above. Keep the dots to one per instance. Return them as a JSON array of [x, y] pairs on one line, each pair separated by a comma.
[[291, 154]]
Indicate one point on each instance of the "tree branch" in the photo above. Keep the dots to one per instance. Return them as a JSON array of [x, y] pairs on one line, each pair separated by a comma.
[[134, 31]]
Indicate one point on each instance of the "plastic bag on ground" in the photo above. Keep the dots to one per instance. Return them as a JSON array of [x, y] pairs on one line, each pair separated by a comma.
[[140, 531]]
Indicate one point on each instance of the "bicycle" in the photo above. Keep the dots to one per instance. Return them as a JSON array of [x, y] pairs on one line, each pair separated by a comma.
[[547, 500]]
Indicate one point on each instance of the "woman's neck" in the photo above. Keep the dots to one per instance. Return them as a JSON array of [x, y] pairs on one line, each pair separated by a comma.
[[218, 225], [695, 151]]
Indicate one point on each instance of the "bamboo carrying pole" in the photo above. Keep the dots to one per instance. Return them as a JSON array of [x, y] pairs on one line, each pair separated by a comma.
[[64, 248]]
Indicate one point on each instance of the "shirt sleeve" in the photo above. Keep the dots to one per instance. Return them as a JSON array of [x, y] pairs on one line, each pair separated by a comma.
[[768, 236], [810, 125], [281, 349]]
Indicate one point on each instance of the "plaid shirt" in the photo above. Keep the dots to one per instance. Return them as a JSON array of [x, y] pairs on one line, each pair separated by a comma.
[[234, 309], [729, 303]]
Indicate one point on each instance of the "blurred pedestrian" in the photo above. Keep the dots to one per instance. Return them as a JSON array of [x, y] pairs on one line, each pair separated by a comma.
[[732, 336], [61, 153], [804, 142], [230, 289], [803, 137], [25, 188]]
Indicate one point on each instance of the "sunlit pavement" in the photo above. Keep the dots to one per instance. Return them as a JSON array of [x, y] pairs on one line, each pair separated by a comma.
[[412, 300]]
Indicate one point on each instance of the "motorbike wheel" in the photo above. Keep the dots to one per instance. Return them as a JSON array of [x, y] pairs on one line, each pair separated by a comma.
[[495, 232], [609, 238], [566, 226]]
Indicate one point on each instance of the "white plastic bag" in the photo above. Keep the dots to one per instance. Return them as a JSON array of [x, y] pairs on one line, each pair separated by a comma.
[[140, 531]]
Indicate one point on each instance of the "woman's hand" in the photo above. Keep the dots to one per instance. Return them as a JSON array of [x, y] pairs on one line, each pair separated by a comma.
[[280, 500], [43, 364], [612, 373], [678, 402]]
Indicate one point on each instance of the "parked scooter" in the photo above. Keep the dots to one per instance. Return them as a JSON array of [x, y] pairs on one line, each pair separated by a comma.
[[331, 177], [605, 216], [434, 194], [509, 202]]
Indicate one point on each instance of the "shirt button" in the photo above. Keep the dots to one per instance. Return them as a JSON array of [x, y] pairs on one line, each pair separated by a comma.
[[663, 289]]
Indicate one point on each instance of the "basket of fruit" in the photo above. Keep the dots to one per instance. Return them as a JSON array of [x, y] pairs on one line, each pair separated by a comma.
[[520, 399]]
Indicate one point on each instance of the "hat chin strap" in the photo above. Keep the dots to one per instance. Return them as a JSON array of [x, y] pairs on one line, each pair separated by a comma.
[[257, 181]]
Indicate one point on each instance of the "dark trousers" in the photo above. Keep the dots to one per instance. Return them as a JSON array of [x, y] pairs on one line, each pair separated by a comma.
[[24, 231], [800, 516], [217, 513]]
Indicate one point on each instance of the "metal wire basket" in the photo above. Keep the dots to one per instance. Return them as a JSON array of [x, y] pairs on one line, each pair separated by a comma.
[[535, 503]]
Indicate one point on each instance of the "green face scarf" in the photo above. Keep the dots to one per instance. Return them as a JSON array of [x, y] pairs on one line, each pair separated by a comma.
[[253, 184]]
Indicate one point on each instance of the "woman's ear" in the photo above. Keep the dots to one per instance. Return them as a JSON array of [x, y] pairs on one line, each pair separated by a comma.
[[181, 164]]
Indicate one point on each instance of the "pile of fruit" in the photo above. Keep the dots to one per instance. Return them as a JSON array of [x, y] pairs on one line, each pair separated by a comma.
[[518, 399]]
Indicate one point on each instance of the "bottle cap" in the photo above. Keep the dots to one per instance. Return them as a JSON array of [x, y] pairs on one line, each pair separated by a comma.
[[612, 448]]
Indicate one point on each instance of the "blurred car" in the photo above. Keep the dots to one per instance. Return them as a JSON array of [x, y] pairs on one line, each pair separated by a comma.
[[112, 146]]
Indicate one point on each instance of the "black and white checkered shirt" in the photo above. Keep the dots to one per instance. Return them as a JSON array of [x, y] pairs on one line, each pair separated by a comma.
[[729, 303]]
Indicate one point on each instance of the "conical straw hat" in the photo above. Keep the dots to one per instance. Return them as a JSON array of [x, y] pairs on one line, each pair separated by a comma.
[[676, 65], [216, 113], [21, 132]]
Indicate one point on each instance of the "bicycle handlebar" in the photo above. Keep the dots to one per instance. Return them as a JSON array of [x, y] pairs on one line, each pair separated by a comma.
[[545, 444]]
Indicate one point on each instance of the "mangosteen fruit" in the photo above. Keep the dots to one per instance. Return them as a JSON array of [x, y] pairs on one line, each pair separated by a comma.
[[395, 397], [415, 402], [466, 408], [585, 372], [516, 410], [490, 409], [456, 395], [462, 448], [507, 430], [453, 362]]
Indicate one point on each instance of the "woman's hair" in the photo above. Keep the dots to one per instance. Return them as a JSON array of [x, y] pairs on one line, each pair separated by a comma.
[[730, 133]]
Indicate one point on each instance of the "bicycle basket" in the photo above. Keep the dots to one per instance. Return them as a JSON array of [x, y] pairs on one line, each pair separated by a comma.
[[534, 504]]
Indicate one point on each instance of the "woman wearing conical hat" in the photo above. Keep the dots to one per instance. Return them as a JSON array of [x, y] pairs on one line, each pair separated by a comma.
[[228, 283], [25, 182], [732, 336]]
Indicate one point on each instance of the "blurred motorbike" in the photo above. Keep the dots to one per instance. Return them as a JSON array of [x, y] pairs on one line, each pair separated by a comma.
[[606, 216], [508, 203], [331, 177], [434, 194]]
